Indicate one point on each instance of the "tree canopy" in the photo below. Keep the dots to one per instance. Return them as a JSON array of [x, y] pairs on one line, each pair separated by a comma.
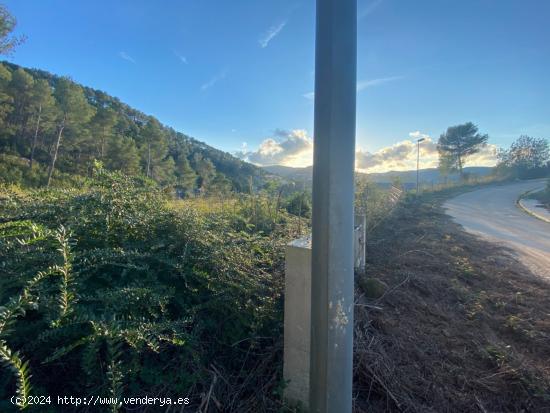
[[527, 157], [457, 143], [7, 24]]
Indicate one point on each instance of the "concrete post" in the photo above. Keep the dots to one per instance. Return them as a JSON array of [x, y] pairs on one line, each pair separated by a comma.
[[297, 320], [331, 363], [297, 317]]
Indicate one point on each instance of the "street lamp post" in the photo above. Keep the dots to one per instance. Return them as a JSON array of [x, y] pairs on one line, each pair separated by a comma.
[[418, 163], [331, 361]]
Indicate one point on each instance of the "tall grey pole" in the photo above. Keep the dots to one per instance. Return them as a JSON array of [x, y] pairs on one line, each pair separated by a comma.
[[333, 195], [418, 164]]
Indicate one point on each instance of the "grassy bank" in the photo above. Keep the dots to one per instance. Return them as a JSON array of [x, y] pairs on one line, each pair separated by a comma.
[[461, 325]]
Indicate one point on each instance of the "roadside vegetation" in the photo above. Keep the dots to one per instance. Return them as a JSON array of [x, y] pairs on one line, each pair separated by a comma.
[[116, 288], [527, 158], [446, 321], [113, 291]]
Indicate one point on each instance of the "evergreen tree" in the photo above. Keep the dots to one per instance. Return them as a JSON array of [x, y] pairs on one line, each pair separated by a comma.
[[7, 23], [21, 90], [154, 148], [186, 176], [122, 155], [205, 170], [102, 126], [220, 184], [74, 111], [6, 101], [44, 112], [446, 166], [164, 172], [459, 142]]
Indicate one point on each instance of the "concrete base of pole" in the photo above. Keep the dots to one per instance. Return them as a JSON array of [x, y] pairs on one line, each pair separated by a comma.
[[297, 317]]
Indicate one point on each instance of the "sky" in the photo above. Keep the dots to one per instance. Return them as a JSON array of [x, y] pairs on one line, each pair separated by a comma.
[[239, 74]]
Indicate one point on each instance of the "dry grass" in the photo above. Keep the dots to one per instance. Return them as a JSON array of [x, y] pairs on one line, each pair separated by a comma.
[[215, 205], [463, 327]]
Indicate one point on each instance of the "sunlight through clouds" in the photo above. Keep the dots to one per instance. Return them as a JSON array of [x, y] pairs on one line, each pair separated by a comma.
[[289, 148], [295, 149]]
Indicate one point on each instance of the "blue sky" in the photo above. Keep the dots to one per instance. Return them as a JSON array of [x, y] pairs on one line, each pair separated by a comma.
[[234, 72]]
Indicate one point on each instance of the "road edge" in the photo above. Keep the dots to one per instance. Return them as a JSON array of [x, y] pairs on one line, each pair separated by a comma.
[[520, 205]]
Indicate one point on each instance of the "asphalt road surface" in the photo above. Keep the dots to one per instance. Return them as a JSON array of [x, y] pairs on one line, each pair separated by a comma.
[[492, 214]]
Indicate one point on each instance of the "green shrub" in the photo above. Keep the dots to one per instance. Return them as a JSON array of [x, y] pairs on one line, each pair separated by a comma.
[[126, 296], [299, 204]]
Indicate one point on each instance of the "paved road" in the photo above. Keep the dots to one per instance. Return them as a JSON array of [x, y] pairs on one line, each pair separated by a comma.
[[492, 213]]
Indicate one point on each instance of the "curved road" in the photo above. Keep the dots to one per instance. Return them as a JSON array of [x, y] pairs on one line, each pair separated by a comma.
[[492, 213]]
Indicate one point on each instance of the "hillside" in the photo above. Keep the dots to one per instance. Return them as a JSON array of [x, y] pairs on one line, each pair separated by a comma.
[[428, 175], [54, 124]]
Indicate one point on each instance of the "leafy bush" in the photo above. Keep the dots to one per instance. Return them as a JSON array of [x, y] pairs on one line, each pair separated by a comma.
[[114, 293], [15, 170], [299, 204]]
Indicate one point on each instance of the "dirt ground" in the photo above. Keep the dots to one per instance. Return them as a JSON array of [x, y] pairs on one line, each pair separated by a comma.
[[455, 324]]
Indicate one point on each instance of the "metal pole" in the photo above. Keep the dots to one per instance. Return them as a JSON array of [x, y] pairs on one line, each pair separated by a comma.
[[332, 220], [418, 161]]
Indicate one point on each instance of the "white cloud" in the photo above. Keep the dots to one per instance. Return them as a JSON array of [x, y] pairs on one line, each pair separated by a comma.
[[364, 84], [295, 148], [291, 148], [213, 81], [368, 9], [310, 95], [181, 58], [126, 56], [271, 33], [418, 135]]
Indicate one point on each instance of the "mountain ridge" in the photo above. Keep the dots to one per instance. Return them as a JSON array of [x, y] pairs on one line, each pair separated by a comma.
[[406, 177]]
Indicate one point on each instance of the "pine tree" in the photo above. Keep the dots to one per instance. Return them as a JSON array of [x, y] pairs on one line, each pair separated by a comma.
[[74, 112], [44, 112], [459, 142], [21, 90], [6, 101], [186, 176], [122, 155], [7, 23], [154, 148], [205, 169], [102, 126], [220, 184]]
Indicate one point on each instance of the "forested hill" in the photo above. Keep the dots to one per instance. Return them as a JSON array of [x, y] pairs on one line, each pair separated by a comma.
[[52, 129]]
